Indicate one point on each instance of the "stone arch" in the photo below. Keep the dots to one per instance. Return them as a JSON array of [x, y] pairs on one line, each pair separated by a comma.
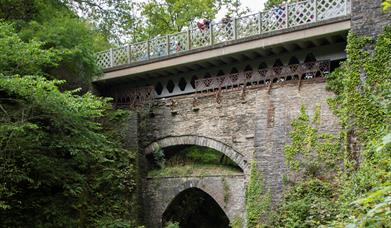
[[234, 155], [193, 185]]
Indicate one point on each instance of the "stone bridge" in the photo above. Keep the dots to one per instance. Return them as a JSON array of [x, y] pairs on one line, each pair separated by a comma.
[[234, 87], [227, 191]]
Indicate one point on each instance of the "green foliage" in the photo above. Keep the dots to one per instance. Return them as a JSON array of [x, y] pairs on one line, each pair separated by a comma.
[[172, 225], [19, 57], [386, 4], [359, 195], [308, 203], [158, 156], [195, 169], [192, 161], [169, 16], [363, 104], [258, 200], [311, 152], [313, 159], [58, 166], [236, 223], [75, 43], [55, 28], [271, 3]]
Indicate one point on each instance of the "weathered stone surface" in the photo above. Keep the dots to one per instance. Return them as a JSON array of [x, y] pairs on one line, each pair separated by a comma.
[[368, 17], [160, 192], [242, 130]]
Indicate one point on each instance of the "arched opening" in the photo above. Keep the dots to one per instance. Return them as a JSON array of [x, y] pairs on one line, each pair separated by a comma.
[[195, 208], [190, 160], [162, 146]]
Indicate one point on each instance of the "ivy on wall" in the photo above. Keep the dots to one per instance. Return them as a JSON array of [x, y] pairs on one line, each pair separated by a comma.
[[258, 200], [346, 181], [363, 90]]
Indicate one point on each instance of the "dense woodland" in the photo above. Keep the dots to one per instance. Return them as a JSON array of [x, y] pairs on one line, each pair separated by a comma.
[[65, 163]]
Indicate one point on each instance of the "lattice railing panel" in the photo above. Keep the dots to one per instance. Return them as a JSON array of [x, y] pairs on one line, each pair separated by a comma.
[[179, 42], [327, 9], [139, 52], [158, 47], [120, 55], [301, 13], [223, 31], [199, 38], [248, 25], [281, 17], [103, 59], [274, 19], [263, 76]]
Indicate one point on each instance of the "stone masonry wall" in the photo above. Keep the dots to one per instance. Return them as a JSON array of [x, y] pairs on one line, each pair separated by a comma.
[[257, 126], [368, 18], [227, 191]]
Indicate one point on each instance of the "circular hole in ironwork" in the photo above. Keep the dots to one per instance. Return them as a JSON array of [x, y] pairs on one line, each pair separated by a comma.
[[170, 86], [159, 88], [182, 84]]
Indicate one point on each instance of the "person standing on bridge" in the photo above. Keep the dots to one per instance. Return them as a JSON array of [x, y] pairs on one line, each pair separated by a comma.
[[203, 24]]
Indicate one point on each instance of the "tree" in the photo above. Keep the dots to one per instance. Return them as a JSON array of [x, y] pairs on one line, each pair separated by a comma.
[[169, 16], [62, 163], [58, 28], [271, 3]]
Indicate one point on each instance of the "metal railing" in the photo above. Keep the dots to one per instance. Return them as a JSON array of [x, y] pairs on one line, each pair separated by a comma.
[[282, 17], [265, 76]]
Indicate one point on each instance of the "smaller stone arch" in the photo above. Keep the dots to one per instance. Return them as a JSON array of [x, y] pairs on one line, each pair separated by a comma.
[[235, 156], [193, 186]]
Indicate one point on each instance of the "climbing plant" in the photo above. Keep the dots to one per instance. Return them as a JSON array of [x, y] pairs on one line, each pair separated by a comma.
[[258, 199], [362, 87], [313, 161], [311, 152]]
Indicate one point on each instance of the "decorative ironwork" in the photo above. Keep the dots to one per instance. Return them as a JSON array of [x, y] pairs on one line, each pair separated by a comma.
[[139, 52], [200, 38], [265, 76], [248, 25], [120, 55], [178, 42], [134, 97], [158, 47], [223, 31], [285, 16], [302, 13]]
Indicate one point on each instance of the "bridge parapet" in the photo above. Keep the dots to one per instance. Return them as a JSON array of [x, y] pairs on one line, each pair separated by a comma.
[[283, 17]]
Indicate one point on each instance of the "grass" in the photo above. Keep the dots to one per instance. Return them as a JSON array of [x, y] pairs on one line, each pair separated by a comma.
[[194, 170]]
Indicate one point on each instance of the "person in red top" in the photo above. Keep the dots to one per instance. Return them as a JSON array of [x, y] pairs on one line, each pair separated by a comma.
[[203, 24]]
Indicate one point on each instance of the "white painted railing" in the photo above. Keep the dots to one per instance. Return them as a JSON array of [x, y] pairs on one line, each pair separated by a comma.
[[285, 16]]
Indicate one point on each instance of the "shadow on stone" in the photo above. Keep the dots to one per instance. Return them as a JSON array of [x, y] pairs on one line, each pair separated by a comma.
[[194, 208]]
